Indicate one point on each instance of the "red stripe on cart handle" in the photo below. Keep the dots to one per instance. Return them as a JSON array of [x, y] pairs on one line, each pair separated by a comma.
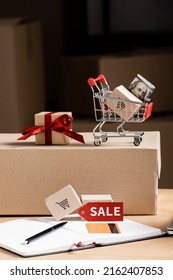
[[149, 108]]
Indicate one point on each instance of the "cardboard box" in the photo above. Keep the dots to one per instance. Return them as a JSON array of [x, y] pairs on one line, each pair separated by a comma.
[[29, 173], [127, 106], [56, 137], [63, 202], [21, 73]]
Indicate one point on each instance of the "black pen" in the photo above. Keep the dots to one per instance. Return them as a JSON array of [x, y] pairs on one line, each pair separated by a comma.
[[40, 234]]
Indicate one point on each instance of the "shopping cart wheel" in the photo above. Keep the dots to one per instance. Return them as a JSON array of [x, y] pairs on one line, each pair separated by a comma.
[[104, 139], [137, 141], [97, 142]]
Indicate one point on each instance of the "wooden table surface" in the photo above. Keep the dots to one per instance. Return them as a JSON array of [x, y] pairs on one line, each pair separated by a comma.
[[153, 249]]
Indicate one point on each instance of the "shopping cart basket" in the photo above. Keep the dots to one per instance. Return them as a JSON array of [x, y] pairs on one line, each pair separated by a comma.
[[112, 109]]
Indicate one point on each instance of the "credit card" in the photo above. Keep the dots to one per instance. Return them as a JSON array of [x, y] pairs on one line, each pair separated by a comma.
[[102, 228]]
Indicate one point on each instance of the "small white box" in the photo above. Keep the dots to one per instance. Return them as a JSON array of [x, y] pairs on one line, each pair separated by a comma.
[[85, 198], [63, 202], [125, 104]]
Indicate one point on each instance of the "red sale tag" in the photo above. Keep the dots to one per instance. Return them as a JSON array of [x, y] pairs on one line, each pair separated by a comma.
[[102, 211]]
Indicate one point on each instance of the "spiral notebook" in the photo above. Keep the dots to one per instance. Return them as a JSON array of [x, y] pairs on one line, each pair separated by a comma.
[[74, 235]]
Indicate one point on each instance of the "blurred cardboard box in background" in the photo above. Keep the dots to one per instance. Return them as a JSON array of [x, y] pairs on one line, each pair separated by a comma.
[[74, 92], [21, 73]]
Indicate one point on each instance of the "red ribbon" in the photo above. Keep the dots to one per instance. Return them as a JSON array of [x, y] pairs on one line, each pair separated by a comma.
[[62, 124]]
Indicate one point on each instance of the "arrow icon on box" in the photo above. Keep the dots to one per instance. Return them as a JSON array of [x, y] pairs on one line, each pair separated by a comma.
[[102, 211]]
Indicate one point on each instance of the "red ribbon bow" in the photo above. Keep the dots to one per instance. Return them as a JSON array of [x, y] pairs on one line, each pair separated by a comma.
[[62, 124]]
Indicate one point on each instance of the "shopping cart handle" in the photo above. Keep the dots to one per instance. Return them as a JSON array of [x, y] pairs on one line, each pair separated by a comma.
[[100, 78]]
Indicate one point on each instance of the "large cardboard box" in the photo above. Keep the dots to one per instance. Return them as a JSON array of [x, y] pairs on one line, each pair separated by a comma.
[[29, 173], [21, 73]]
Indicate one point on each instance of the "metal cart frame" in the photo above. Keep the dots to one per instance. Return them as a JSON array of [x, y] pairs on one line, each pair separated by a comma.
[[103, 113]]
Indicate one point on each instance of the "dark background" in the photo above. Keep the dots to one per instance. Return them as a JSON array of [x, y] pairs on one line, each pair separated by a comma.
[[89, 27]]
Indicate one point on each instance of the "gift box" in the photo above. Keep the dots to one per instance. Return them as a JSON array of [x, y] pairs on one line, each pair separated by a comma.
[[123, 103], [30, 173], [50, 136], [52, 128]]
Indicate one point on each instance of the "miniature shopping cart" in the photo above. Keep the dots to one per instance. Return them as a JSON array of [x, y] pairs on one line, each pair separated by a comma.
[[116, 110]]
